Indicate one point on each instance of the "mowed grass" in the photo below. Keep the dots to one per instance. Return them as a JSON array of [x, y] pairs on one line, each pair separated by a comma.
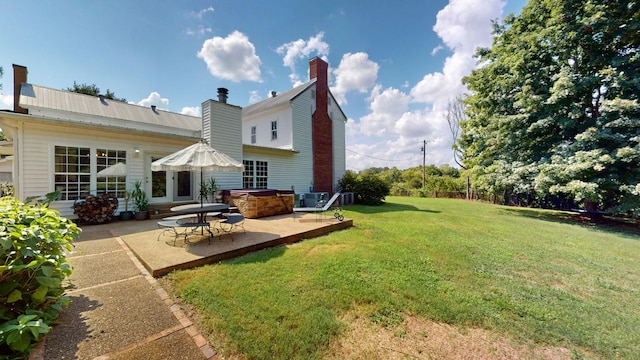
[[528, 274]]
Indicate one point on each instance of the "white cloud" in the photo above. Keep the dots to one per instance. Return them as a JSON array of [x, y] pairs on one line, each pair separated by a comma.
[[254, 97], [436, 50], [200, 31], [399, 122], [191, 110], [355, 73], [301, 49], [202, 12], [154, 98], [6, 101], [463, 25], [387, 107], [232, 58]]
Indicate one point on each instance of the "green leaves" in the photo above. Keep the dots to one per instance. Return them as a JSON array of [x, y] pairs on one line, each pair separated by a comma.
[[33, 241], [559, 84]]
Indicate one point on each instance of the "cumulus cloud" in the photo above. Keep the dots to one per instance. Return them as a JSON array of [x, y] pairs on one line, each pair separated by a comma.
[[191, 110], [399, 122], [232, 58], [387, 107], [463, 25], [6, 101], [302, 49], [155, 99], [355, 73]]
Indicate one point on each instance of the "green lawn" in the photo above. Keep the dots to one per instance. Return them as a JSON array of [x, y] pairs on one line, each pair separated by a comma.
[[530, 275]]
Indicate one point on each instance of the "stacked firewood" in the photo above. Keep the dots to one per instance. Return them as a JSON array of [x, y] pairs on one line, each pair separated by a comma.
[[96, 209]]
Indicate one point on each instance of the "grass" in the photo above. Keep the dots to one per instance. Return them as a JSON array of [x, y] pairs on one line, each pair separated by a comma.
[[532, 275]]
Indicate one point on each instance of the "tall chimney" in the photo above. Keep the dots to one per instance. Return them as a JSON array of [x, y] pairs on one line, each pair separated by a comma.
[[222, 95], [19, 77], [322, 129]]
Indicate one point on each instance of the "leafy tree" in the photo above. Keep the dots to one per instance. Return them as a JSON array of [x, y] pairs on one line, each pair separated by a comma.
[[93, 90], [555, 108]]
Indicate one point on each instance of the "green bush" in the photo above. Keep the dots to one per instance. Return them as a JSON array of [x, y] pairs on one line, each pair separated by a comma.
[[33, 240], [368, 188]]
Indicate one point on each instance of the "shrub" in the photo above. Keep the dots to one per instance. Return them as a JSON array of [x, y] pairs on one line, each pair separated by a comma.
[[368, 189], [33, 240]]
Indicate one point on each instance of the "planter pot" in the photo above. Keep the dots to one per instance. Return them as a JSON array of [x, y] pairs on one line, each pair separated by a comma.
[[126, 215], [141, 215]]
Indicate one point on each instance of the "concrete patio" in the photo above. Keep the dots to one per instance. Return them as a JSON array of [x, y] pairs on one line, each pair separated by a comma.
[[159, 256]]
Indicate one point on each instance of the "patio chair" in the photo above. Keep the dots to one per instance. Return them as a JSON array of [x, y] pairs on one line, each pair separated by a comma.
[[178, 229], [322, 206], [232, 221]]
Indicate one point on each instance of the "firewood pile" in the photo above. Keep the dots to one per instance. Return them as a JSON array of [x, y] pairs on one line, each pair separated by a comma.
[[96, 209]]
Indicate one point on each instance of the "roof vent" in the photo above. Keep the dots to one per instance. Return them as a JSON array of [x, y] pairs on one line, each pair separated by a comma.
[[153, 108], [274, 94], [101, 97], [222, 95]]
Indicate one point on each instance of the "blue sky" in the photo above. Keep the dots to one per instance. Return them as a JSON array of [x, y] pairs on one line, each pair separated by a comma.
[[394, 65]]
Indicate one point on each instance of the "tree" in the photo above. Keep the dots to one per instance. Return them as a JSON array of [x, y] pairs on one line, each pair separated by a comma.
[[94, 91], [456, 115], [554, 108]]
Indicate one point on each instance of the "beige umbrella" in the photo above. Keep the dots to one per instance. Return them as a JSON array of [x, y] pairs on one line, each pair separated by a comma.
[[198, 157]]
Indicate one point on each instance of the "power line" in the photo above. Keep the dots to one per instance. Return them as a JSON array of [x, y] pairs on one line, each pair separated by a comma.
[[377, 158]]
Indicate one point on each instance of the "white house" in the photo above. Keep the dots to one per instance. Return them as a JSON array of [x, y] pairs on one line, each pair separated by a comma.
[[60, 140]]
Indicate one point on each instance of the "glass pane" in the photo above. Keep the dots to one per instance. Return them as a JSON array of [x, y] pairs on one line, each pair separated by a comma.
[[184, 183], [158, 184]]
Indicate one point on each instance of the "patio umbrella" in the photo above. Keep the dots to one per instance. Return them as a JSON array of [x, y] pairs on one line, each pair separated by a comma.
[[198, 157], [119, 169]]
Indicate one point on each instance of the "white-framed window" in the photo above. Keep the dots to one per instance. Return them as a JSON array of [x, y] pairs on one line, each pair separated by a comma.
[[253, 134], [255, 175], [274, 130], [72, 172], [115, 185]]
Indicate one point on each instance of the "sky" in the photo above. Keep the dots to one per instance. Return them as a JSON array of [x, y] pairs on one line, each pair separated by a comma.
[[393, 65]]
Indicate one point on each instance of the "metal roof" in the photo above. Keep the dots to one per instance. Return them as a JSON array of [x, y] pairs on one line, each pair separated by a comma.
[[34, 97], [277, 100]]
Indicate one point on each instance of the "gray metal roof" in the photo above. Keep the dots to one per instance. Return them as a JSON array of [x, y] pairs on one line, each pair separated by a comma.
[[277, 100], [34, 97]]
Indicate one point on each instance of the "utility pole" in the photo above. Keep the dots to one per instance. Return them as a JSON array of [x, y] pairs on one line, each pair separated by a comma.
[[424, 156]]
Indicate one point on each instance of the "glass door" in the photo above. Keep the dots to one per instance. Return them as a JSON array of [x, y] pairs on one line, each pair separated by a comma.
[[159, 184], [182, 186]]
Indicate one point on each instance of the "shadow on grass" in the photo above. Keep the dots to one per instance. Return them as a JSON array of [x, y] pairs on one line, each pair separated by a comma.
[[628, 228], [386, 207]]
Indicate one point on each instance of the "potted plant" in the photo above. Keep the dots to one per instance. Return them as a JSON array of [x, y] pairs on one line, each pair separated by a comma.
[[140, 200], [212, 189], [126, 214]]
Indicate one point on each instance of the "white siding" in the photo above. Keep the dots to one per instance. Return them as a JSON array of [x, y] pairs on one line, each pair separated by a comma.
[[263, 128], [225, 135], [38, 148]]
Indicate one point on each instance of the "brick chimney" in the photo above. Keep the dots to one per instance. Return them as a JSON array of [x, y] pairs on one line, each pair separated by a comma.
[[19, 77], [322, 129]]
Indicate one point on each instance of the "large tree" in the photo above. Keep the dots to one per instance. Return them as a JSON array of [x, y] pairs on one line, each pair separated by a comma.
[[94, 90], [554, 108]]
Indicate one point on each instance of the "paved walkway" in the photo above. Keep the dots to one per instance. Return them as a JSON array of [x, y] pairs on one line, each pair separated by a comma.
[[118, 310]]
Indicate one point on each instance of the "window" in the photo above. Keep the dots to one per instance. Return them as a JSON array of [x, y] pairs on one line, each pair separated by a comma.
[[115, 185], [313, 94], [72, 172], [255, 174], [274, 130], [253, 134], [247, 175]]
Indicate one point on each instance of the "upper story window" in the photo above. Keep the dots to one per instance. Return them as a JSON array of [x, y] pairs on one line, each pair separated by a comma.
[[253, 134], [274, 130], [313, 94]]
